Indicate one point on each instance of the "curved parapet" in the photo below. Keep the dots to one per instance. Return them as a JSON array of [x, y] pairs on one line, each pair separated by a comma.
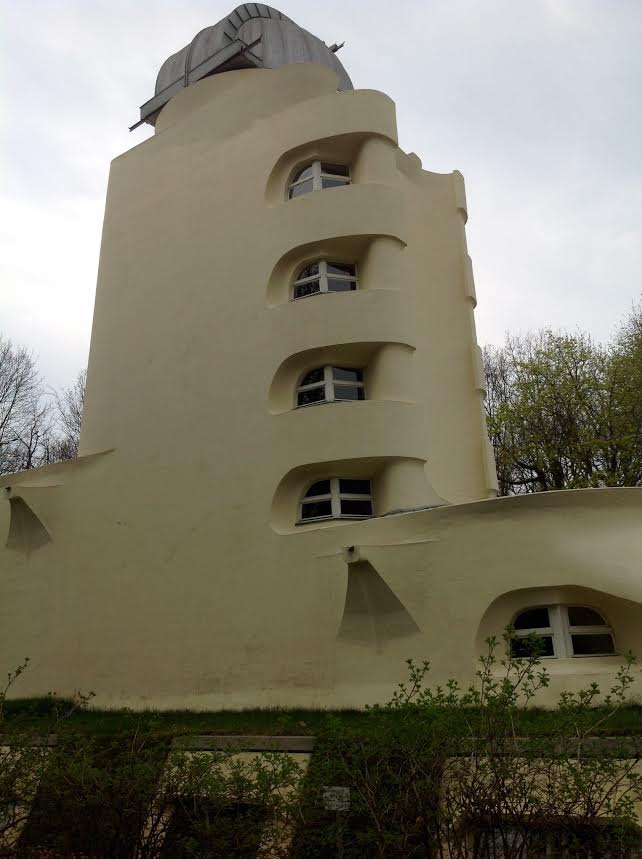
[[252, 36]]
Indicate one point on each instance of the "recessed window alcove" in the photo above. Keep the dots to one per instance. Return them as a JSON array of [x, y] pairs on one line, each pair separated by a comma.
[[336, 159], [395, 483], [583, 630], [344, 373], [362, 262]]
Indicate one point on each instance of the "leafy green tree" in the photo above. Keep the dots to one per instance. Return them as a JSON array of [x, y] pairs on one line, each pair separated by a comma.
[[564, 412]]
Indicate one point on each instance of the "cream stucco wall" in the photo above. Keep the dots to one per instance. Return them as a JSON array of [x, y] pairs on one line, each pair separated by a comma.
[[164, 566]]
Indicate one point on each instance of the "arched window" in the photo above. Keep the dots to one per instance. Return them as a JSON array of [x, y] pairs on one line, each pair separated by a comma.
[[324, 276], [316, 176], [336, 498], [571, 630], [330, 384]]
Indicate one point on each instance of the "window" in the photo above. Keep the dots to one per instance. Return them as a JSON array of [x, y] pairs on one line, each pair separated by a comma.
[[337, 498], [329, 385], [600, 840], [316, 176], [565, 631], [324, 276]]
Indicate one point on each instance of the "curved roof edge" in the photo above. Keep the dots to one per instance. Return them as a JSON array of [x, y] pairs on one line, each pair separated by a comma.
[[252, 36]]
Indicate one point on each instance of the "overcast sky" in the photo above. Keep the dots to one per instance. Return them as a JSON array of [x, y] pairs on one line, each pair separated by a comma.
[[535, 101]]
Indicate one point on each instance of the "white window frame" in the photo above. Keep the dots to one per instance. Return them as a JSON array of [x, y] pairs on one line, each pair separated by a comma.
[[317, 175], [335, 496], [322, 277], [328, 383], [561, 631]]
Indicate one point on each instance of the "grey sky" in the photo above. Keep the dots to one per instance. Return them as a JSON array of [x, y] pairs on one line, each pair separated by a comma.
[[535, 101]]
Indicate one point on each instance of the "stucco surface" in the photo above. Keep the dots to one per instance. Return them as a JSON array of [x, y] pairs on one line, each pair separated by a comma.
[[175, 574]]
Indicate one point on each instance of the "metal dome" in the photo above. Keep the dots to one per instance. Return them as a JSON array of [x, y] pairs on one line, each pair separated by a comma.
[[252, 36]]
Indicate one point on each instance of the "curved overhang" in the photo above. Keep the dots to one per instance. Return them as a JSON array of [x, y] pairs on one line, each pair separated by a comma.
[[582, 537]]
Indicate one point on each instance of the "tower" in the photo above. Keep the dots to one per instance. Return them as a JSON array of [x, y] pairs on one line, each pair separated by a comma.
[[284, 487], [271, 236]]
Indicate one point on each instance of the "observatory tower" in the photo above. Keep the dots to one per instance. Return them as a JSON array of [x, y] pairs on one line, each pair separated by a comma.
[[285, 487]]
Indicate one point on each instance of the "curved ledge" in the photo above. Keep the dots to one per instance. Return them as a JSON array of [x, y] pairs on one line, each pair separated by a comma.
[[54, 474], [369, 209], [460, 194], [488, 459], [361, 316], [351, 430], [479, 375], [588, 538], [469, 280]]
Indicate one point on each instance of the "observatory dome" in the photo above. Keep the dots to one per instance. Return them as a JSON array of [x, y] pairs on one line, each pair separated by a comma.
[[252, 36]]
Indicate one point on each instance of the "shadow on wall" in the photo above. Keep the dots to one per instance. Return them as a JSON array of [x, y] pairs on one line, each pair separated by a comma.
[[26, 531], [373, 614]]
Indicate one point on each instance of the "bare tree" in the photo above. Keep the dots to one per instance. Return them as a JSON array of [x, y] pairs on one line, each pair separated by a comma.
[[69, 407], [37, 427], [26, 420]]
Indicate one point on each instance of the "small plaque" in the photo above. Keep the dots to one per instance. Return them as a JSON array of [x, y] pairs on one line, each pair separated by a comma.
[[336, 798]]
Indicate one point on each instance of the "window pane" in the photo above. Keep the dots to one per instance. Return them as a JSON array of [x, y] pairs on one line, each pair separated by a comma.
[[308, 288], [335, 169], [314, 395], [341, 268], [522, 648], [347, 374], [313, 509], [313, 376], [533, 618], [331, 183], [304, 173], [580, 616], [348, 392], [356, 508], [355, 487], [585, 645], [341, 285], [302, 188], [321, 487], [308, 271]]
